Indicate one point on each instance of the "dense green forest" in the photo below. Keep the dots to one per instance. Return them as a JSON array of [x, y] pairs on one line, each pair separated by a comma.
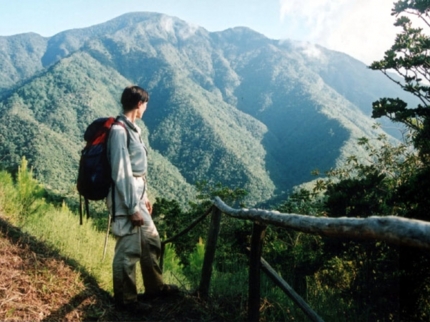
[[232, 107], [210, 140]]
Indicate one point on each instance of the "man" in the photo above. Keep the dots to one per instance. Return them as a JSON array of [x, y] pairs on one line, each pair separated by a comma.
[[137, 236]]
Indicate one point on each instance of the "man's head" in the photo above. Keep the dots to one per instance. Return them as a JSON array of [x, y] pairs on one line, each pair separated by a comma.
[[131, 96]]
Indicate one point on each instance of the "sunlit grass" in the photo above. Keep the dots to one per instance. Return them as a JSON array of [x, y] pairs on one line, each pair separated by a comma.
[[60, 229]]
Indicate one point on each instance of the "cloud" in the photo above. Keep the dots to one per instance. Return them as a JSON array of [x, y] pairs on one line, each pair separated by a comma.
[[184, 31], [167, 23], [361, 28], [317, 17], [309, 49]]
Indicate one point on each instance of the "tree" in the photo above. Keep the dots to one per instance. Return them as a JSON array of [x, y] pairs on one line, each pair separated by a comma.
[[409, 57], [400, 185], [387, 282], [365, 186]]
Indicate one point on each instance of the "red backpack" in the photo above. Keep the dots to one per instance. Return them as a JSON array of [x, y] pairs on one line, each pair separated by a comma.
[[94, 175]]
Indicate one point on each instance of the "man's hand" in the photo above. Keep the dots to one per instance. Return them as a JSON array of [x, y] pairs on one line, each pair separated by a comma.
[[136, 219], [149, 206]]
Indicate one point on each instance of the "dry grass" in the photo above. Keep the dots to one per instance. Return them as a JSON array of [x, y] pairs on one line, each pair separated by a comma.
[[38, 284]]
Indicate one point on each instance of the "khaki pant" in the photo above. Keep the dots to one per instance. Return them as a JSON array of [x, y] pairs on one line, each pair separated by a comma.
[[131, 248]]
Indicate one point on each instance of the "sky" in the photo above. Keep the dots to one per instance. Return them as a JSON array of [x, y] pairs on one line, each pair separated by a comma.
[[362, 29]]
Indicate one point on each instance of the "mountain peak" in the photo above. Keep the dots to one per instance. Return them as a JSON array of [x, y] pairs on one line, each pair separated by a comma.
[[232, 106]]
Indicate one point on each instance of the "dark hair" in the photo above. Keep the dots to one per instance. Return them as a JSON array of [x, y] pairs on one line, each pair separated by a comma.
[[131, 96]]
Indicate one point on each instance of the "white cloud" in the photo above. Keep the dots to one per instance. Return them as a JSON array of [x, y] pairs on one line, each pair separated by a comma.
[[167, 23], [309, 49], [361, 28], [184, 31], [189, 31]]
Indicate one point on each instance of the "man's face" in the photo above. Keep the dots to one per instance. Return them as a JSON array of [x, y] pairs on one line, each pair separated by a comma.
[[141, 109]]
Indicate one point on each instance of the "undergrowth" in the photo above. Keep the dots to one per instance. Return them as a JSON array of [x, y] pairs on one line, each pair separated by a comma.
[[57, 227]]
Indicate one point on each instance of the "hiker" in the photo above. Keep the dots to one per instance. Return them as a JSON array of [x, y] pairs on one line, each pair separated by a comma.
[[137, 236]]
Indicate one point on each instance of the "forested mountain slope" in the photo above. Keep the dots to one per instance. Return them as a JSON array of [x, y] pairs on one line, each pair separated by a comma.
[[232, 106]]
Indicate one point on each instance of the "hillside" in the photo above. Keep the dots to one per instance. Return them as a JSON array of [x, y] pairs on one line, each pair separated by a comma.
[[38, 284], [52, 111], [233, 107]]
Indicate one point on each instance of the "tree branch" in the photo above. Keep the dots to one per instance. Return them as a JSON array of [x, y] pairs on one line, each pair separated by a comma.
[[397, 230]]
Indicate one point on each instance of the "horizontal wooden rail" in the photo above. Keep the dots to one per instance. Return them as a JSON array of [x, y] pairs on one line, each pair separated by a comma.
[[181, 233], [398, 230], [191, 226]]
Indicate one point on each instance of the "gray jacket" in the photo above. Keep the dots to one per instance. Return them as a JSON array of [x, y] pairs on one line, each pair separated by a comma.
[[129, 166]]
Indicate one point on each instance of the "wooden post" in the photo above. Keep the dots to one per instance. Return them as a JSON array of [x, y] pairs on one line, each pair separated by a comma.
[[210, 252], [258, 232]]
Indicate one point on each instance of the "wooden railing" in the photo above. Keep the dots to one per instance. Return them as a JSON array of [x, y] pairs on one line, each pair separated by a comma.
[[401, 231]]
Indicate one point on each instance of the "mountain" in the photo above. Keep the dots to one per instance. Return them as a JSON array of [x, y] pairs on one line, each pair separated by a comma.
[[232, 106]]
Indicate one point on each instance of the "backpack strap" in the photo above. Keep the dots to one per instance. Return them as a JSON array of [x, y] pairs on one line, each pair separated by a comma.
[[80, 210], [117, 122]]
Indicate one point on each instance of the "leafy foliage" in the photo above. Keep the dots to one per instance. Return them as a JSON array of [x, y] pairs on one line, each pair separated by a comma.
[[409, 57], [392, 180], [365, 276], [30, 192]]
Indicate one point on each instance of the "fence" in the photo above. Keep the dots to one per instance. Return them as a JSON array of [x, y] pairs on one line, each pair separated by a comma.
[[401, 231]]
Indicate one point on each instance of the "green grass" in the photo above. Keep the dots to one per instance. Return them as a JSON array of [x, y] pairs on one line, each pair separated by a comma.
[[59, 228]]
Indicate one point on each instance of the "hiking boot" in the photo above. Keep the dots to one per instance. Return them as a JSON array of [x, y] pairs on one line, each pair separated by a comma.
[[165, 290], [134, 307], [169, 289]]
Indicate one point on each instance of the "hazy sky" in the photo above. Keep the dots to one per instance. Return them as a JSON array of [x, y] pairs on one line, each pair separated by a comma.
[[361, 28]]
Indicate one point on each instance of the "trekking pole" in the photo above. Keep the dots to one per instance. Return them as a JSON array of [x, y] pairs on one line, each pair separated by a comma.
[[106, 239]]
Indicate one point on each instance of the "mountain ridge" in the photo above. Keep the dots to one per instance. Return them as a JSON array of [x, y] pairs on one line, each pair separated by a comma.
[[231, 106]]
